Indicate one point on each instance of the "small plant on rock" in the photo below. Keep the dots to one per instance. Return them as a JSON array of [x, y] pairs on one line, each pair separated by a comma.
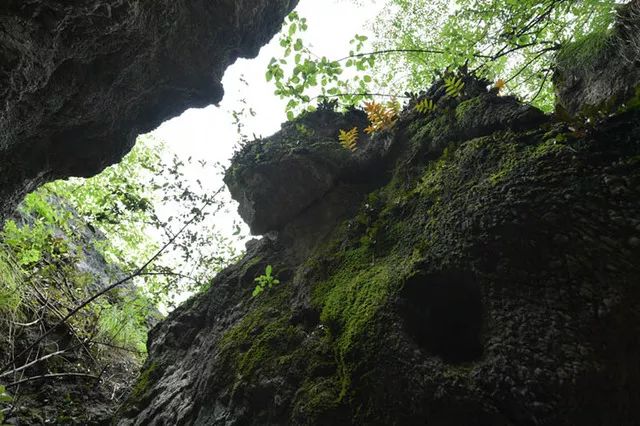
[[453, 86], [425, 106], [381, 116], [349, 138], [265, 281]]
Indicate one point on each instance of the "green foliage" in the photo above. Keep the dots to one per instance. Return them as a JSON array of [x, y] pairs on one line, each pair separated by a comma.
[[425, 106], [10, 278], [299, 71], [5, 398], [44, 249], [349, 139], [453, 86], [265, 281], [514, 40], [116, 203], [122, 203], [584, 52], [124, 324], [47, 250]]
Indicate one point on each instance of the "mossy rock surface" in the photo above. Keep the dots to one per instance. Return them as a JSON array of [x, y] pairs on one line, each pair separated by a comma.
[[491, 281], [600, 73]]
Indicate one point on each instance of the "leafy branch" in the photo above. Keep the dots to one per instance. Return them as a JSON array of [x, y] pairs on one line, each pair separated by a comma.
[[102, 292], [512, 40]]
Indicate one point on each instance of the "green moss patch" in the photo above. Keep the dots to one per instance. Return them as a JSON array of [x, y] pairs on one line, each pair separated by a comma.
[[584, 53]]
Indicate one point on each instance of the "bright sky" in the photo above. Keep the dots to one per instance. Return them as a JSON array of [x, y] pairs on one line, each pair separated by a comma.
[[209, 133]]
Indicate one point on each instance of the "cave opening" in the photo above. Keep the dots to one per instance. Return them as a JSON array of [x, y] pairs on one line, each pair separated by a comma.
[[443, 313]]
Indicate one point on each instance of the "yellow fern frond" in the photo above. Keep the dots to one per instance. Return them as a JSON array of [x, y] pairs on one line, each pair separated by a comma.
[[453, 86], [381, 116], [425, 106], [349, 139]]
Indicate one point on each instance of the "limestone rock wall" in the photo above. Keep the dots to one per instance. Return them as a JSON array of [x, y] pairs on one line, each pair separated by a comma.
[[600, 74], [80, 80], [479, 269]]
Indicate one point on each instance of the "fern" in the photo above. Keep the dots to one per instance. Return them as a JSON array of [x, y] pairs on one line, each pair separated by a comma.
[[349, 139], [500, 85], [381, 116], [394, 106], [453, 86], [426, 106]]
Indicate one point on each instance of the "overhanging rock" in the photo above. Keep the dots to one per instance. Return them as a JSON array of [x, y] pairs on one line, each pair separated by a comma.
[[80, 80]]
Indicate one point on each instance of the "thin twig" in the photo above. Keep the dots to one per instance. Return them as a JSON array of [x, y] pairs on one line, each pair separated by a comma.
[[51, 376], [383, 52], [544, 81], [338, 95], [531, 61], [15, 370], [117, 347]]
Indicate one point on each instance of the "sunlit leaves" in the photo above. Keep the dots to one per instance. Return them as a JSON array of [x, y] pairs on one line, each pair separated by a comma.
[[265, 281], [516, 40], [310, 76]]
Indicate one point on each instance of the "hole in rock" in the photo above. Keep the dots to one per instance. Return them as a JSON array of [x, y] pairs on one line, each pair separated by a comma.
[[443, 313]]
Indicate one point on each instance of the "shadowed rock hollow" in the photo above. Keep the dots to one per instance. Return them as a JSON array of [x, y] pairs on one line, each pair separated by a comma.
[[80, 81], [476, 266]]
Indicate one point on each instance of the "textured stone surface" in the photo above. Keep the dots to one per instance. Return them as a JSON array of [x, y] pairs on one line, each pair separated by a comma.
[[276, 178], [80, 80], [601, 73], [490, 279]]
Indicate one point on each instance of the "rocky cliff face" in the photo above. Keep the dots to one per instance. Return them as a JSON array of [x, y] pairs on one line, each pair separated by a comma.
[[476, 266], [601, 73], [80, 81]]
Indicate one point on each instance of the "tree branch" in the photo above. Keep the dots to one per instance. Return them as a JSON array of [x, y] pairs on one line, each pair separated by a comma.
[[107, 289], [43, 358], [382, 52], [339, 95], [52, 376]]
